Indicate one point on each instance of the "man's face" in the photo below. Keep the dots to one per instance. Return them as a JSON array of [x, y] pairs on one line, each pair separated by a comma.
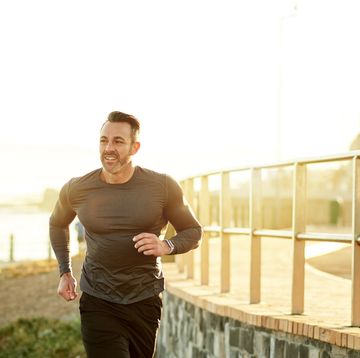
[[116, 147]]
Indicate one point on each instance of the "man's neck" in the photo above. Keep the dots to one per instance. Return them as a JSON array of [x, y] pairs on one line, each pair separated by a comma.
[[123, 176]]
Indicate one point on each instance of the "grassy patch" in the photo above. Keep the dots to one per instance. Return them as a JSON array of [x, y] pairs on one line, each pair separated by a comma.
[[28, 268], [41, 338]]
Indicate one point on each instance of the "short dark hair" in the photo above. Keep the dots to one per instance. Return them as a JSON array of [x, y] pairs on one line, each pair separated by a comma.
[[116, 116]]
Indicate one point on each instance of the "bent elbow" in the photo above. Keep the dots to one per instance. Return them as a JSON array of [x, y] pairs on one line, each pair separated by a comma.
[[199, 234]]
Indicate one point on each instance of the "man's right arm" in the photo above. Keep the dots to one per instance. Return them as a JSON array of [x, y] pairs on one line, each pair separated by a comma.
[[67, 286], [61, 217]]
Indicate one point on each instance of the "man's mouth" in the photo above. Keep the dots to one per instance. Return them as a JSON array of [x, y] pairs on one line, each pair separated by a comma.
[[110, 157]]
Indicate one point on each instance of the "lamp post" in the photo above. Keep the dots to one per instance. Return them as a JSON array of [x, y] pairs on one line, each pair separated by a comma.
[[289, 13]]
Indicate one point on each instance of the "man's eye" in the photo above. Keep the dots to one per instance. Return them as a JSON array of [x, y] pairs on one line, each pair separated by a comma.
[[102, 141]]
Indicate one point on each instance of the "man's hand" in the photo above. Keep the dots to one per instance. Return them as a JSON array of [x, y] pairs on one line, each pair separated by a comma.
[[150, 244], [67, 287]]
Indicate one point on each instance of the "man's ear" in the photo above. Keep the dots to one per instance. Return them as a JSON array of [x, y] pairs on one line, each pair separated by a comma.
[[135, 148]]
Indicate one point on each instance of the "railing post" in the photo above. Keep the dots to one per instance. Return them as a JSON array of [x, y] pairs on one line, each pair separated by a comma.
[[189, 256], [255, 221], [355, 274], [180, 263], [180, 259], [225, 215], [204, 220], [49, 250], [11, 245], [170, 233], [298, 247]]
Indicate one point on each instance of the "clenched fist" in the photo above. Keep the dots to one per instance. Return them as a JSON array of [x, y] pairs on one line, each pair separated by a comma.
[[150, 244]]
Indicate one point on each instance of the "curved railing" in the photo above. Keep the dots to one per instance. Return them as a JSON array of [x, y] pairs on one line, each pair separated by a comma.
[[197, 192]]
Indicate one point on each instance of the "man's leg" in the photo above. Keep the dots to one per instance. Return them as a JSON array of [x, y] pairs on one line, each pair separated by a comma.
[[101, 332], [110, 329], [145, 322]]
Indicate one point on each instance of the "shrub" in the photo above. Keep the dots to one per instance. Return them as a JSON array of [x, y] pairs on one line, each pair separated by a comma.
[[41, 338]]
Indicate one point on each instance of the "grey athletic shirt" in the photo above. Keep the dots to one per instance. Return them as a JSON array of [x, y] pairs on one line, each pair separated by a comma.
[[112, 215]]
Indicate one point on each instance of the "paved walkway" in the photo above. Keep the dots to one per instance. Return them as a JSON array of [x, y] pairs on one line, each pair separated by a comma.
[[327, 297]]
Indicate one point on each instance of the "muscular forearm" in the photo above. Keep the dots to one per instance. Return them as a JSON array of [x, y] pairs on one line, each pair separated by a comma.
[[60, 243], [186, 240]]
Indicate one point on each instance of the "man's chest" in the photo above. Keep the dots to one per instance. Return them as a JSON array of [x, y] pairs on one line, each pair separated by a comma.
[[104, 209]]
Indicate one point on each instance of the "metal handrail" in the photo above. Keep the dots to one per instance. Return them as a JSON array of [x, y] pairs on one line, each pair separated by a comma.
[[283, 234], [297, 234], [310, 160]]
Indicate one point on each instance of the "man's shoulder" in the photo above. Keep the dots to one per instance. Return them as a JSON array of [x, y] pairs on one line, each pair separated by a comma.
[[145, 172], [163, 179], [151, 176], [86, 178]]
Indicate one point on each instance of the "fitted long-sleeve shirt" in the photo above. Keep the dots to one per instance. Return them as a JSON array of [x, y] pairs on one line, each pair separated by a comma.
[[112, 214]]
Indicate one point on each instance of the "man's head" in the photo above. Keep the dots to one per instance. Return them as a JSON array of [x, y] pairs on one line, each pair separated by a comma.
[[118, 141], [118, 117]]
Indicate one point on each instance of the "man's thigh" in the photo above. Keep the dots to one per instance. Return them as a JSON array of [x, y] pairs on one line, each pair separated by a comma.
[[110, 329], [101, 332]]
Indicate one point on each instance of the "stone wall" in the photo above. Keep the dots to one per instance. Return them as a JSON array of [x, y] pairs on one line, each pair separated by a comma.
[[187, 331]]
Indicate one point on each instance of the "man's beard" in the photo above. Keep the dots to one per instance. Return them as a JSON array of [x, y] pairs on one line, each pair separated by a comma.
[[118, 165]]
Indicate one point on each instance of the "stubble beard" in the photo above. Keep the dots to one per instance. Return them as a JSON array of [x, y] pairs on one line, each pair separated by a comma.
[[118, 166]]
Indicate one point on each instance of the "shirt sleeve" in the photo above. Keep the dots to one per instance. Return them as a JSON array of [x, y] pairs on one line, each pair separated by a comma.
[[60, 219], [180, 215]]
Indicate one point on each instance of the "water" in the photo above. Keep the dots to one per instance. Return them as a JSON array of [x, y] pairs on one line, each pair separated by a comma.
[[30, 228]]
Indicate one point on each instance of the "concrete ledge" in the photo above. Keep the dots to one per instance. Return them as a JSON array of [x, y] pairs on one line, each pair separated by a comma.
[[260, 315]]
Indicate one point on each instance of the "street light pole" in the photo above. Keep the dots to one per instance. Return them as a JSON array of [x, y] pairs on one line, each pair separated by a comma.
[[279, 144], [282, 19]]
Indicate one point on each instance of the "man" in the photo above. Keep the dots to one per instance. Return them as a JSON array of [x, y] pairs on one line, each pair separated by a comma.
[[123, 208]]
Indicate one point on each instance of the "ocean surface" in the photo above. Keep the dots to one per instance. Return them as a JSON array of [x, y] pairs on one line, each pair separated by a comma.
[[30, 229]]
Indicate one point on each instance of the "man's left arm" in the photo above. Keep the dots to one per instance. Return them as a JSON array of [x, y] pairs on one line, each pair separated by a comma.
[[180, 215]]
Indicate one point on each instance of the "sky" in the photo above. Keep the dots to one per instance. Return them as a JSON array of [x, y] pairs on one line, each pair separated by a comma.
[[215, 84]]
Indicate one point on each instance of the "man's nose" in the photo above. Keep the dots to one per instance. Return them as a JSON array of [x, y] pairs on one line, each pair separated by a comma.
[[109, 146]]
